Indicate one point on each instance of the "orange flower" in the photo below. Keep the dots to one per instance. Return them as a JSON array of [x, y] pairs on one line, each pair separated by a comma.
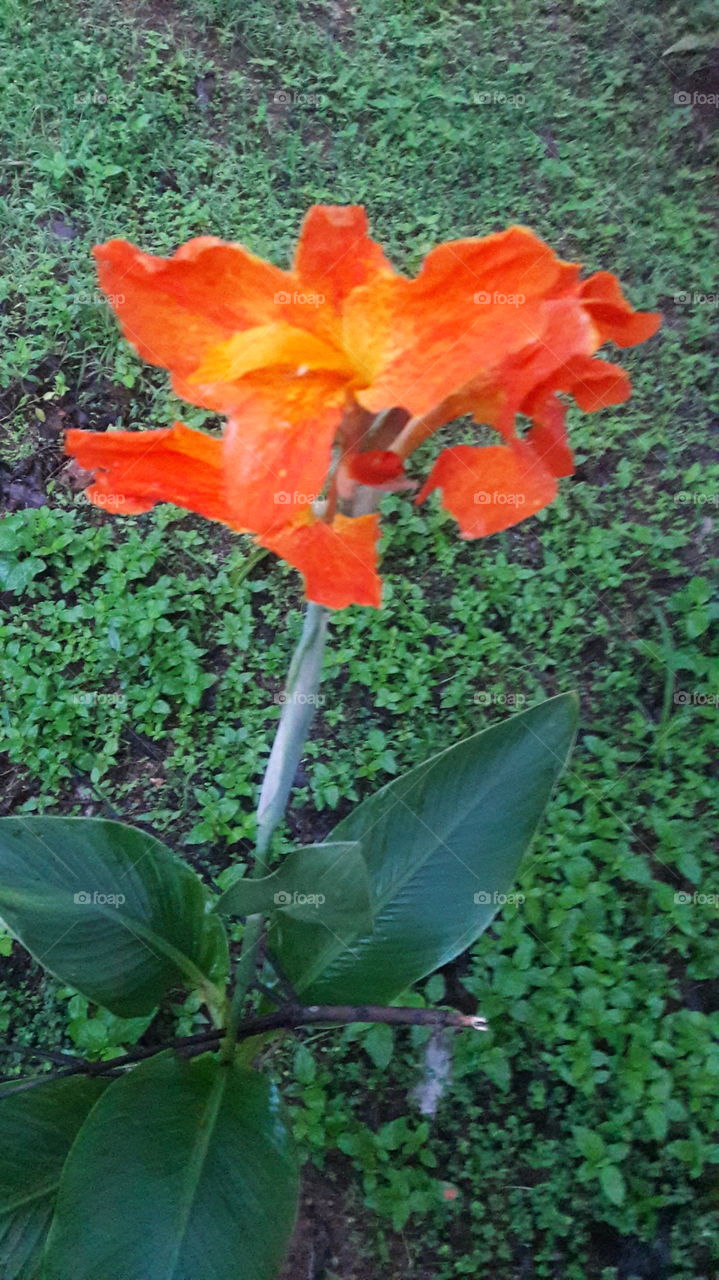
[[330, 374]]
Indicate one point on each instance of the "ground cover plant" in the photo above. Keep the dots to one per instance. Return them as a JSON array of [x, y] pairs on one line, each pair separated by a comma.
[[577, 1138]]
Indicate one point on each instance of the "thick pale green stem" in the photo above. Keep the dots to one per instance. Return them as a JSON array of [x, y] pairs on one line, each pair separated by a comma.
[[299, 706]]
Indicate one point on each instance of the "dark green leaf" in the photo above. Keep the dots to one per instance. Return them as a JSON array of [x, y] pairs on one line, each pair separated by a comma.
[[108, 910], [320, 883], [16, 575], [378, 1043], [443, 844], [590, 1143], [612, 1183], [658, 1121], [184, 1171], [37, 1129]]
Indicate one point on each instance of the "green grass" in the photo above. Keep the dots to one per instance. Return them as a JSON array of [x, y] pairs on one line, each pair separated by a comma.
[[142, 657]]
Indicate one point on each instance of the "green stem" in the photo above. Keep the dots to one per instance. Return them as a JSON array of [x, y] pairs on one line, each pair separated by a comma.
[[300, 703], [244, 973]]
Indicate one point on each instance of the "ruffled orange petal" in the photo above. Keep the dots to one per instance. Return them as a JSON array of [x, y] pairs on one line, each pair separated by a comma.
[[338, 561], [548, 437], [595, 384], [499, 315], [335, 253], [490, 489], [473, 303], [567, 333], [173, 309], [136, 469], [561, 361], [615, 318], [277, 446], [512, 261]]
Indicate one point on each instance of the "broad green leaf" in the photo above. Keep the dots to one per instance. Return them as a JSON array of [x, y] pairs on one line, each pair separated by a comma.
[[657, 1121], [37, 1129], [443, 844], [184, 1171], [320, 883], [304, 1066], [16, 575], [379, 1045], [611, 1180], [109, 910], [590, 1143]]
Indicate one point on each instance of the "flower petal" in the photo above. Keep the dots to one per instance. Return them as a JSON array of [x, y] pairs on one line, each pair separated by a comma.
[[473, 303], [277, 447], [335, 253], [173, 309], [136, 469], [614, 317], [488, 320], [490, 489], [594, 384], [548, 437], [559, 361], [568, 332], [265, 347], [338, 561]]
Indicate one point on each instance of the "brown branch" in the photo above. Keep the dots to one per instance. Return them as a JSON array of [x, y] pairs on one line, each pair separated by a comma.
[[48, 1055], [294, 1016], [290, 1016], [394, 1015], [23, 1085]]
